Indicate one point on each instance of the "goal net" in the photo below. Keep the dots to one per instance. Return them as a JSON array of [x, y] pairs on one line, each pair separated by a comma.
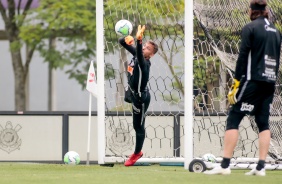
[[164, 20], [217, 29]]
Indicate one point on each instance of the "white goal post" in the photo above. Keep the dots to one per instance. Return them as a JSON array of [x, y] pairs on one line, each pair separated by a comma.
[[188, 114], [100, 80]]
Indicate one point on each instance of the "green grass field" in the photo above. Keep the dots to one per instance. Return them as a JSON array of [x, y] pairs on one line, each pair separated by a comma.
[[25, 173]]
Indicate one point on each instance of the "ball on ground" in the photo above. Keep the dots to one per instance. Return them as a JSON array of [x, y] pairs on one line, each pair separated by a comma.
[[72, 158]]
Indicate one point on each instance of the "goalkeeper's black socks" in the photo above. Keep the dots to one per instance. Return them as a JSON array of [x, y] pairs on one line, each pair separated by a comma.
[[139, 142], [260, 165], [225, 163]]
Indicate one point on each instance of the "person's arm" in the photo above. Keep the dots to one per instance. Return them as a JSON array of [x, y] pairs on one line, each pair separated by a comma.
[[245, 47], [128, 47], [241, 65], [139, 53], [139, 37]]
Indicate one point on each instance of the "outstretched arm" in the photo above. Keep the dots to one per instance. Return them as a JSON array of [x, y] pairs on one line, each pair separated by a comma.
[[139, 37], [139, 53], [125, 41]]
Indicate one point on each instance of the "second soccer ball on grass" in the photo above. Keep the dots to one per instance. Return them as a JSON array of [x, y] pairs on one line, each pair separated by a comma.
[[72, 158], [208, 157]]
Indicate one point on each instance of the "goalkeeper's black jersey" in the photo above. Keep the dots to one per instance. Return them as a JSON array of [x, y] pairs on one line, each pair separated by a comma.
[[259, 51], [138, 70]]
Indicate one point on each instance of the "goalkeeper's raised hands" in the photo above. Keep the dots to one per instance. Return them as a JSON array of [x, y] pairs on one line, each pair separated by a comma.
[[129, 40], [140, 32], [233, 91]]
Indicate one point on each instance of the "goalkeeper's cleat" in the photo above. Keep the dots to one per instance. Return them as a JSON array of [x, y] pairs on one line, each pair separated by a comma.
[[219, 170], [133, 158], [256, 172]]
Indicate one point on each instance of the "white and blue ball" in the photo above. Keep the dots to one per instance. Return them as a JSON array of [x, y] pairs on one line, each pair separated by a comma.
[[208, 157], [72, 158], [123, 27]]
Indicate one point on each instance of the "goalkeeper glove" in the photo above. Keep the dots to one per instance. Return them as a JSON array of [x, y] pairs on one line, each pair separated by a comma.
[[139, 34], [233, 91], [129, 40]]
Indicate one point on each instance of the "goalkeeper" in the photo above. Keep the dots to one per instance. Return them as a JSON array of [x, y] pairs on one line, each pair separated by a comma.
[[254, 85], [138, 72]]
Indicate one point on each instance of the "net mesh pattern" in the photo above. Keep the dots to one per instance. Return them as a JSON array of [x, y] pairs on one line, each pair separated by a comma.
[[164, 20], [217, 30]]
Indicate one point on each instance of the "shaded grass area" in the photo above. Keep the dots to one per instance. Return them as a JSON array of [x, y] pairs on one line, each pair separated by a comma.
[[25, 173]]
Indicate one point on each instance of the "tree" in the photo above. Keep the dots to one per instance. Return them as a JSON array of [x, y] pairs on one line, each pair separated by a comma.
[[69, 21], [12, 26]]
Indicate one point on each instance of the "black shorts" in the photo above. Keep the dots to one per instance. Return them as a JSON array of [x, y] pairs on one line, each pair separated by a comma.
[[254, 98]]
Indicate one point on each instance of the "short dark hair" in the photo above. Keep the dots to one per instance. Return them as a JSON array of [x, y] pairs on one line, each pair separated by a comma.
[[258, 8], [156, 47]]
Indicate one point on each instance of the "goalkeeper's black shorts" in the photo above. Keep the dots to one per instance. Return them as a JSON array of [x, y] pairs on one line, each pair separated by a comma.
[[254, 98]]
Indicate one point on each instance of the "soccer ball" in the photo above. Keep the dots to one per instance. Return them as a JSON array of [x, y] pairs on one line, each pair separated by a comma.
[[208, 157], [123, 27], [71, 158]]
